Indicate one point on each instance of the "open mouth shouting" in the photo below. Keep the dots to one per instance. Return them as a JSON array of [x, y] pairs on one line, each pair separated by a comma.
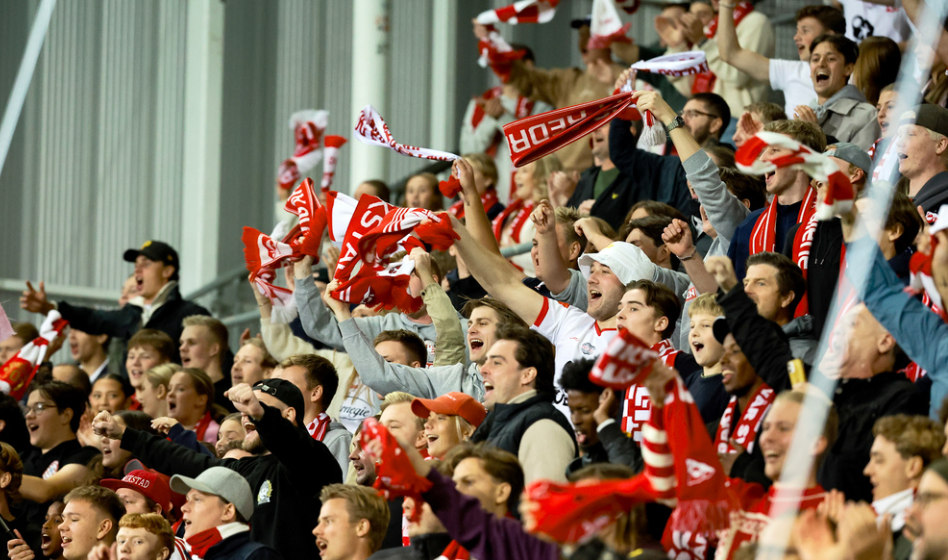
[[322, 545], [821, 78]]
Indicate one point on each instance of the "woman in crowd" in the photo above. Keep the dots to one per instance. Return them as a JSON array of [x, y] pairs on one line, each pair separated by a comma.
[[449, 420], [190, 402], [485, 180], [513, 226], [153, 393], [421, 191], [110, 392], [877, 66], [114, 457]]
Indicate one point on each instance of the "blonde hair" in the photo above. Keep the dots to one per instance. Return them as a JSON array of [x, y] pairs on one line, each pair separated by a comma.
[[267, 361], [705, 304], [216, 328], [161, 375], [399, 397]]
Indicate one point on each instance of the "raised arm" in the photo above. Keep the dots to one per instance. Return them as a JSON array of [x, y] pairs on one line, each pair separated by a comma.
[[317, 321], [677, 237], [474, 215], [551, 268], [729, 46], [498, 277], [449, 343]]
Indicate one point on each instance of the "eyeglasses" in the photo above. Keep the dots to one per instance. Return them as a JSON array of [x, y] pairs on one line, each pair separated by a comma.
[[38, 408], [693, 113], [924, 499]]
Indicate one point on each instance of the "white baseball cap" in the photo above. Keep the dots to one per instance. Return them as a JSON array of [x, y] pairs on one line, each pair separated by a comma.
[[626, 261]]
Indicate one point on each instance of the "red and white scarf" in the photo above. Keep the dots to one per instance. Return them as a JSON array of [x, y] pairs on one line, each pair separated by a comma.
[[200, 430], [524, 11], [764, 234], [533, 137], [398, 225], [308, 127], [676, 65], [740, 11], [626, 361], [203, 541], [745, 432], [523, 109], [606, 27], [18, 372], [520, 211], [353, 219], [371, 129], [385, 286], [330, 159], [498, 54], [488, 200], [637, 405], [319, 426], [920, 266]]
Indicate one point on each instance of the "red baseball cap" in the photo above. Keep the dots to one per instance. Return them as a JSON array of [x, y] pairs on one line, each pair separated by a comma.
[[148, 483], [454, 404]]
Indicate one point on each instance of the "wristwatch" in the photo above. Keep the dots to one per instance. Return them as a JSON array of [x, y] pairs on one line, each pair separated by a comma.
[[678, 122]]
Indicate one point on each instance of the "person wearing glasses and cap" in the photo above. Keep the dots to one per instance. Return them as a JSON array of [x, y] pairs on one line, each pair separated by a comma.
[[157, 303], [286, 472]]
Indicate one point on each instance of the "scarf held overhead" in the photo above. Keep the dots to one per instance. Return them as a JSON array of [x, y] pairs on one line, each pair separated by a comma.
[[371, 129], [18, 372], [525, 11]]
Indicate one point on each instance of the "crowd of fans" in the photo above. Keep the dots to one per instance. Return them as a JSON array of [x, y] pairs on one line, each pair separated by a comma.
[[156, 440]]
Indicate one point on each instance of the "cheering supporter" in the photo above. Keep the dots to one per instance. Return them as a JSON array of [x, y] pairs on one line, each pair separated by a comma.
[[584, 398], [353, 402], [147, 349], [485, 117], [364, 468], [649, 311], [204, 347], [519, 393], [110, 392], [320, 323], [287, 471], [22, 333], [57, 462], [706, 115], [191, 402], [564, 87], [922, 145], [646, 234], [352, 522], [252, 363], [401, 347], [840, 108], [155, 386], [864, 356], [232, 432], [90, 518], [216, 515], [491, 475], [485, 180], [513, 226], [793, 198], [142, 492], [755, 33], [90, 352], [558, 271], [904, 446], [888, 97], [484, 316], [398, 417], [317, 381], [421, 191], [11, 476], [792, 77], [114, 458], [52, 543], [599, 189], [449, 420], [657, 178], [158, 305]]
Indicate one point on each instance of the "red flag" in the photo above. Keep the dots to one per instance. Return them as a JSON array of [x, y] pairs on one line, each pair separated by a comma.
[[533, 137], [376, 285], [396, 475]]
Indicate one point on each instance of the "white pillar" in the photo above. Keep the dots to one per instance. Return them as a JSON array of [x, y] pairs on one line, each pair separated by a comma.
[[370, 80], [203, 92], [444, 24]]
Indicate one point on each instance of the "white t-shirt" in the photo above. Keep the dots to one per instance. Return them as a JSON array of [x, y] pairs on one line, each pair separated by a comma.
[[793, 78], [575, 336], [361, 402], [874, 20]]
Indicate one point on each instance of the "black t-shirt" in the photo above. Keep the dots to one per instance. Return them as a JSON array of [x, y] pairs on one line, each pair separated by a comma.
[[45, 465]]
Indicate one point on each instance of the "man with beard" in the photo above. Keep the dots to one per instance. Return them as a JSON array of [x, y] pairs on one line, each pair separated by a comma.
[[288, 470], [365, 476]]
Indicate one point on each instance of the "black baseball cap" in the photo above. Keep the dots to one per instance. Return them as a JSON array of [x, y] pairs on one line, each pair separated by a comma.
[[156, 251], [581, 22], [286, 392], [929, 116]]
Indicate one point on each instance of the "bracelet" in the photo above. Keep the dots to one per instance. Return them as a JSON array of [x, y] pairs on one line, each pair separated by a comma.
[[691, 256]]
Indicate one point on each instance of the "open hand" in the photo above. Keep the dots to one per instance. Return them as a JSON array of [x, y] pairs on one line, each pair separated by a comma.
[[35, 300]]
